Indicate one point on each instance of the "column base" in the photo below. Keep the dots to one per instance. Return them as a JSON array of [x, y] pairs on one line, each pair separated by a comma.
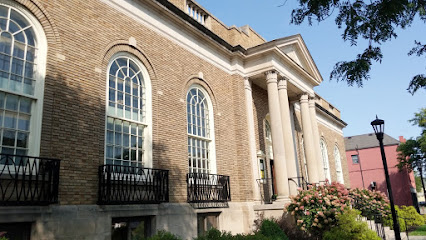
[[282, 199]]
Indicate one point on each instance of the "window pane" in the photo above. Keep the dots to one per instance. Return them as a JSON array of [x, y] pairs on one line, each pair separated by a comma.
[[18, 49], [25, 105], [24, 122], [9, 138], [29, 86], [12, 102], [4, 62], [17, 66], [110, 137], [22, 140], [10, 120], [18, 18], [30, 53], [6, 43]]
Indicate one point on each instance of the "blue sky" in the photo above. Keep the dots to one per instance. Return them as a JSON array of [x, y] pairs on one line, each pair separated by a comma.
[[384, 94]]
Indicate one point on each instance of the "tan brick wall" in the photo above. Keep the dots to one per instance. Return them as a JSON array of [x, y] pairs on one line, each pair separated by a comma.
[[260, 110], [235, 36], [87, 34], [332, 138]]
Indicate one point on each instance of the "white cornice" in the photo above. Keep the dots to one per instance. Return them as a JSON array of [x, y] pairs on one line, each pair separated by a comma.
[[188, 37], [325, 120], [178, 32]]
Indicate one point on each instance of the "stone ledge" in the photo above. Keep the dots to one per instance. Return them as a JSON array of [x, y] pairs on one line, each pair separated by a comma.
[[273, 206]]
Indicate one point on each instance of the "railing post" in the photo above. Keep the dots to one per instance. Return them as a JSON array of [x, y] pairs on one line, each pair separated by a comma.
[[108, 169]]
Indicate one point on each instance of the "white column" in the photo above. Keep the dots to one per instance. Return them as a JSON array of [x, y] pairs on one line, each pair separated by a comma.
[[287, 135], [308, 140], [316, 138], [252, 139], [277, 136]]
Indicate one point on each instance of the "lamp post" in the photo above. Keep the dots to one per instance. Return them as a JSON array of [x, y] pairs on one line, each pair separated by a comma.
[[379, 126]]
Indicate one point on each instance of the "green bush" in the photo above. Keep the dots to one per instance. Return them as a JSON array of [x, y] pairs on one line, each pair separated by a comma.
[[349, 228], [270, 228], [406, 215], [214, 234], [163, 235]]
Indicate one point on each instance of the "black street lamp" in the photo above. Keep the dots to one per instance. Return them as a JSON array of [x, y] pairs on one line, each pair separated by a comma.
[[379, 126]]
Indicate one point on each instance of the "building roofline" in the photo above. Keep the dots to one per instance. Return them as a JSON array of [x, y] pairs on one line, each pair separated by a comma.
[[334, 117], [174, 9]]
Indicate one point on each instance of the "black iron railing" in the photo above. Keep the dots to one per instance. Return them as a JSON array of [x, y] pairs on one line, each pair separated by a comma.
[[300, 182], [132, 185], [265, 187], [204, 188], [376, 224], [28, 180]]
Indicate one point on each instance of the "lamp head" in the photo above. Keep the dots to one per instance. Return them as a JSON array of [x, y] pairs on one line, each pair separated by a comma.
[[379, 127]]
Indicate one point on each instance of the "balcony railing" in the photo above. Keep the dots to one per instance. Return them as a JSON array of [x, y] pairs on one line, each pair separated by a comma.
[[132, 185], [28, 180], [299, 182], [208, 188]]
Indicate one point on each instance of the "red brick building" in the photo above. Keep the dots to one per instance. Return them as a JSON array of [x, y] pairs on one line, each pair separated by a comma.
[[366, 167]]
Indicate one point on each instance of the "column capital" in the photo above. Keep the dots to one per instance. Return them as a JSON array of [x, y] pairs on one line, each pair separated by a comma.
[[282, 83], [312, 100], [271, 76], [304, 98], [247, 83]]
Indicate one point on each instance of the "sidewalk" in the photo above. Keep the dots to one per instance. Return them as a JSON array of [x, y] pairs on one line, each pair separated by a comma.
[[409, 237]]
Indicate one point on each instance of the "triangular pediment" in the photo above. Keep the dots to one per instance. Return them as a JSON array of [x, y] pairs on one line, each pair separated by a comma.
[[294, 47]]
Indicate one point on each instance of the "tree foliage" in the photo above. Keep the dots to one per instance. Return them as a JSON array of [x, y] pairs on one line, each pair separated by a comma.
[[375, 21], [412, 154]]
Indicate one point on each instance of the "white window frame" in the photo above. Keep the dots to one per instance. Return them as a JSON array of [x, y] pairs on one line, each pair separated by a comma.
[[147, 146], [325, 162], [212, 144], [39, 76], [268, 139], [339, 169]]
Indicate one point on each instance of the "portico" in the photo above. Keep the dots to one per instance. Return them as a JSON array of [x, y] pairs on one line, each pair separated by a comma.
[[285, 72]]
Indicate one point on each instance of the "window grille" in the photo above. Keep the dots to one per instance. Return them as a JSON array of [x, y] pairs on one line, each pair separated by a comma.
[[199, 131], [324, 155], [17, 81], [338, 161], [126, 114]]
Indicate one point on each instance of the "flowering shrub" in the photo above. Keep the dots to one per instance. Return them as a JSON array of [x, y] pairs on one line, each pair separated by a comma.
[[316, 209], [370, 203]]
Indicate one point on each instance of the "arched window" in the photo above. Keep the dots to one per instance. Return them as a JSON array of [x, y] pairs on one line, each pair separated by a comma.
[[324, 155], [128, 123], [338, 161], [22, 56], [268, 138], [199, 111]]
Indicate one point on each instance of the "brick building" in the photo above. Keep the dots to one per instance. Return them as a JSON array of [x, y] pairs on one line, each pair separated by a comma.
[[366, 167], [152, 114]]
